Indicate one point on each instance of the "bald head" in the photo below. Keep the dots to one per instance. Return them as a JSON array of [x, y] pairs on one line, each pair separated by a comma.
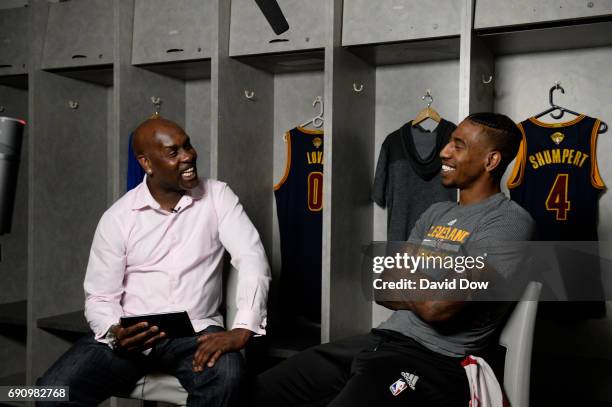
[[144, 135], [164, 151]]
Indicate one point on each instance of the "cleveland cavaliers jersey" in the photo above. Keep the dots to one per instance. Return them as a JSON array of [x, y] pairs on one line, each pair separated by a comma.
[[556, 179], [299, 205]]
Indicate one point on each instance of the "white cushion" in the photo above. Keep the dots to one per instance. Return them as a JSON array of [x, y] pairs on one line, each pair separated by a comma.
[[160, 387]]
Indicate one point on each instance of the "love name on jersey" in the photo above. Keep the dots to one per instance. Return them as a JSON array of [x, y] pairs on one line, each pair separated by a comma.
[[558, 156], [314, 157], [448, 233]]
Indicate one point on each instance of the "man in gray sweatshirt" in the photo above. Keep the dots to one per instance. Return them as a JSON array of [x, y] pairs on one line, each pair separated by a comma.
[[414, 358]]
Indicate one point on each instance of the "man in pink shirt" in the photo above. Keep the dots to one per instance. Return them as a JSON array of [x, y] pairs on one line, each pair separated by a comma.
[[160, 248]]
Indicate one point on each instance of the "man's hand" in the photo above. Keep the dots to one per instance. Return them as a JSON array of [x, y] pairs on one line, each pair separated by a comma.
[[212, 346], [137, 337]]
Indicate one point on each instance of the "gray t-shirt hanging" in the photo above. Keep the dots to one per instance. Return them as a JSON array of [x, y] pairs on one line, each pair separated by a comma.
[[496, 219], [407, 179]]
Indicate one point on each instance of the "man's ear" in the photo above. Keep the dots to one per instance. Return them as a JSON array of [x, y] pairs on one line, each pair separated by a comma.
[[493, 160], [145, 164]]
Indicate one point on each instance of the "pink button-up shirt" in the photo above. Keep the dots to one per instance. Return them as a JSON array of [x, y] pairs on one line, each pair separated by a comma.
[[147, 260]]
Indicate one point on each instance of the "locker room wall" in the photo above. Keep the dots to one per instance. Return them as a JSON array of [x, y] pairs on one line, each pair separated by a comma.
[[172, 31], [13, 265], [399, 100], [240, 141], [6, 4], [13, 40], [414, 50], [521, 89], [524, 62], [70, 154], [69, 193], [197, 121]]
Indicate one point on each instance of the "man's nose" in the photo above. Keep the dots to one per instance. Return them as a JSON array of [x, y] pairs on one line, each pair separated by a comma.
[[445, 152], [189, 155]]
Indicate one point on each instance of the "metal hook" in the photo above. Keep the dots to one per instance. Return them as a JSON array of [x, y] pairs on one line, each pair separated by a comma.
[[73, 105], [356, 88], [157, 102], [318, 100], [249, 94], [488, 80], [427, 95], [552, 103]]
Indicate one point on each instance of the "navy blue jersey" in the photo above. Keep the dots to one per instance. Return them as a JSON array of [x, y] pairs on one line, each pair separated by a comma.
[[556, 178], [299, 205]]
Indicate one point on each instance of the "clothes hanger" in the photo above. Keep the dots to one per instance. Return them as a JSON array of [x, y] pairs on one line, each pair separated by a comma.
[[562, 110], [428, 112], [318, 120]]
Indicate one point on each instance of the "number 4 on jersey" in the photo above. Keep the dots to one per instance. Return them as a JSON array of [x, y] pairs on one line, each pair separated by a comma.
[[557, 197]]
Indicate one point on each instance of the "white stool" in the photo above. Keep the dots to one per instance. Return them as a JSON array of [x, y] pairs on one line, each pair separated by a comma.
[[160, 387]]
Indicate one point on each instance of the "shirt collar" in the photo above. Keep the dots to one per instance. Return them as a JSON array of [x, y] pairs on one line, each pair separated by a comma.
[[144, 198]]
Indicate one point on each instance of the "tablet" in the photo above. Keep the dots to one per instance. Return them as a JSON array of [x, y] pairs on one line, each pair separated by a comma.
[[174, 324]]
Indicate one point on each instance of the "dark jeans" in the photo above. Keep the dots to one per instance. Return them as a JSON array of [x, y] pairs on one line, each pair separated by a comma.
[[94, 372], [365, 370]]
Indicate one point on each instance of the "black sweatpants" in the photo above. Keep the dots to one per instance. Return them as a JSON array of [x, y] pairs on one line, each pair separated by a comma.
[[382, 368]]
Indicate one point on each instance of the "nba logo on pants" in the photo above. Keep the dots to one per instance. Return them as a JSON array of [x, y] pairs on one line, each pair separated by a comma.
[[398, 387]]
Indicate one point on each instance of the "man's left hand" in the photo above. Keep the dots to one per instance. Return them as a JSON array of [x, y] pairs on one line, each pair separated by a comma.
[[212, 346]]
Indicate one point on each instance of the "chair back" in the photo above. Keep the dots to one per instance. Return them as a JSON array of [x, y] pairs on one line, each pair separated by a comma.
[[517, 338]]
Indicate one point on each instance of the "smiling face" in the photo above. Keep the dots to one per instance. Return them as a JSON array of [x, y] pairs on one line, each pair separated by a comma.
[[466, 159], [168, 157]]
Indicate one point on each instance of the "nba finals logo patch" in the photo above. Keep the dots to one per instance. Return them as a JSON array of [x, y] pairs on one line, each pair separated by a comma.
[[317, 142], [398, 387], [557, 137]]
